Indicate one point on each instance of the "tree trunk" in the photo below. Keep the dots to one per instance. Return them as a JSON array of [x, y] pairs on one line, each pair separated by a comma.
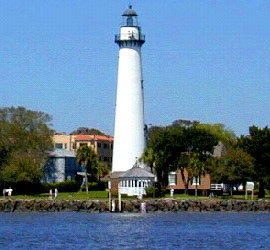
[[196, 189], [184, 181], [261, 190], [86, 182]]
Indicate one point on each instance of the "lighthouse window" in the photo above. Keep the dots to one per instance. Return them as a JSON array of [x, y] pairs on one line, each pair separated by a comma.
[[129, 21]]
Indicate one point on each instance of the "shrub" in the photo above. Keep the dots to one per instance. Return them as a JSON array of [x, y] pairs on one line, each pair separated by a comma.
[[96, 186], [155, 192], [66, 186], [25, 187]]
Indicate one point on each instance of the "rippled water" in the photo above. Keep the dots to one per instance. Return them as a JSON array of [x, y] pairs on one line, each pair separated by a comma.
[[135, 231]]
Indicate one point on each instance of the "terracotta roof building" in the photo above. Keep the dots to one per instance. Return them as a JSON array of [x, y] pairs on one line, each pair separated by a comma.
[[102, 144]]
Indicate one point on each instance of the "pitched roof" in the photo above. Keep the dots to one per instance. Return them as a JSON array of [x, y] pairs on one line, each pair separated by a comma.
[[94, 137], [130, 12], [58, 152], [137, 172], [116, 174]]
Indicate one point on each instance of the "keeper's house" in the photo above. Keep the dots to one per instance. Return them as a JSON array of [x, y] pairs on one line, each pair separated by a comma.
[[175, 182], [202, 182]]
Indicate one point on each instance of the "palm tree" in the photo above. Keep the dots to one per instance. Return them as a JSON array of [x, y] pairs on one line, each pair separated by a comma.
[[87, 158], [102, 170], [196, 167], [149, 158]]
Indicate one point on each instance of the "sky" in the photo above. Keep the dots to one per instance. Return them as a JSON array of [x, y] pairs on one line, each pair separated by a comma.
[[205, 60]]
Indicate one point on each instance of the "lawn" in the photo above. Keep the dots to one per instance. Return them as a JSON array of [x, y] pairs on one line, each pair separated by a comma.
[[103, 195], [67, 196]]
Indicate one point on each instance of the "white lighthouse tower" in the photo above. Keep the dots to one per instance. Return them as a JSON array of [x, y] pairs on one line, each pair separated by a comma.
[[129, 137]]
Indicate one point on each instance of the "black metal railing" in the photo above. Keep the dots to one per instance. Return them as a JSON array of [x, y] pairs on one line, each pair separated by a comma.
[[129, 37]]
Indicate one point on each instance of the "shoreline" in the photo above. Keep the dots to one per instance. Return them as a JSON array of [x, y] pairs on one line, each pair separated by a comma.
[[134, 206]]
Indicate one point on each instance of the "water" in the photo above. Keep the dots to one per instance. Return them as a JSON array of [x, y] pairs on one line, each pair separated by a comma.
[[135, 231]]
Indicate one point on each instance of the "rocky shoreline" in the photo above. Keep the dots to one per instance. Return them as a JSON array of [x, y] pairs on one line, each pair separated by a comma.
[[134, 206]]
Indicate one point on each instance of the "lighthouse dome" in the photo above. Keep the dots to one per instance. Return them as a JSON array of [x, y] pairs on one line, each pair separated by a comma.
[[130, 12]]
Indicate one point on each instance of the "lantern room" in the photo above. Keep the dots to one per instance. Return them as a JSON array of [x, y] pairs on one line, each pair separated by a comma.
[[130, 18]]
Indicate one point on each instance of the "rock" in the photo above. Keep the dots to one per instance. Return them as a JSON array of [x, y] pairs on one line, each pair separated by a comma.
[[160, 205]]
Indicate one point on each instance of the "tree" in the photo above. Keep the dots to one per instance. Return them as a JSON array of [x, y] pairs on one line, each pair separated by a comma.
[[199, 144], [257, 144], [195, 168], [102, 170], [149, 158], [86, 131], [169, 147], [87, 158], [224, 135], [236, 167], [25, 139]]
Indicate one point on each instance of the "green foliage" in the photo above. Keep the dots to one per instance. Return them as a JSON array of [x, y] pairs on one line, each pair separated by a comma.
[[96, 186], [66, 186], [155, 192], [226, 136], [195, 167], [257, 144], [168, 147], [149, 158], [102, 170], [19, 169], [87, 158], [25, 138], [86, 131], [236, 167]]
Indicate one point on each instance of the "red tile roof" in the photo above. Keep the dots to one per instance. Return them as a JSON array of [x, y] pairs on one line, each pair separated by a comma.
[[94, 137]]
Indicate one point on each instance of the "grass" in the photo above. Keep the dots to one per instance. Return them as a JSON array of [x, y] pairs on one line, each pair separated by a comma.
[[100, 195], [103, 195], [189, 197]]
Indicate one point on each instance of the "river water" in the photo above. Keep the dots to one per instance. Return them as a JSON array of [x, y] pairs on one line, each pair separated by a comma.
[[135, 231]]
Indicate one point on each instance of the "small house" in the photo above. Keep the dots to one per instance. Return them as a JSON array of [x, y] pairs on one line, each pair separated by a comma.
[[61, 166]]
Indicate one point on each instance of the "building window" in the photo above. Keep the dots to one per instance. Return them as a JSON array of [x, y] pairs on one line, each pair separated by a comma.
[[65, 145], [196, 180], [105, 145], [58, 145], [99, 145], [83, 144], [172, 179], [111, 146]]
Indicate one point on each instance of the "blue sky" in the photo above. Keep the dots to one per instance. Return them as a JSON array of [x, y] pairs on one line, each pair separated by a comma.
[[205, 60]]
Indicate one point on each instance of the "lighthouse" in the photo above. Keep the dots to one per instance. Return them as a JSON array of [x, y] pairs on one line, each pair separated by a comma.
[[129, 134]]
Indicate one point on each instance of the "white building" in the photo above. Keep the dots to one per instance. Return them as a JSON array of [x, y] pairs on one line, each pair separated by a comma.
[[129, 137], [135, 181]]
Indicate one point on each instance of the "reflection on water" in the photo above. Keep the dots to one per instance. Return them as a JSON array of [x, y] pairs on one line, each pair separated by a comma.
[[134, 231]]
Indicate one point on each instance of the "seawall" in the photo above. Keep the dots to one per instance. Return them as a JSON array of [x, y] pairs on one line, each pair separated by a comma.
[[161, 205]]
